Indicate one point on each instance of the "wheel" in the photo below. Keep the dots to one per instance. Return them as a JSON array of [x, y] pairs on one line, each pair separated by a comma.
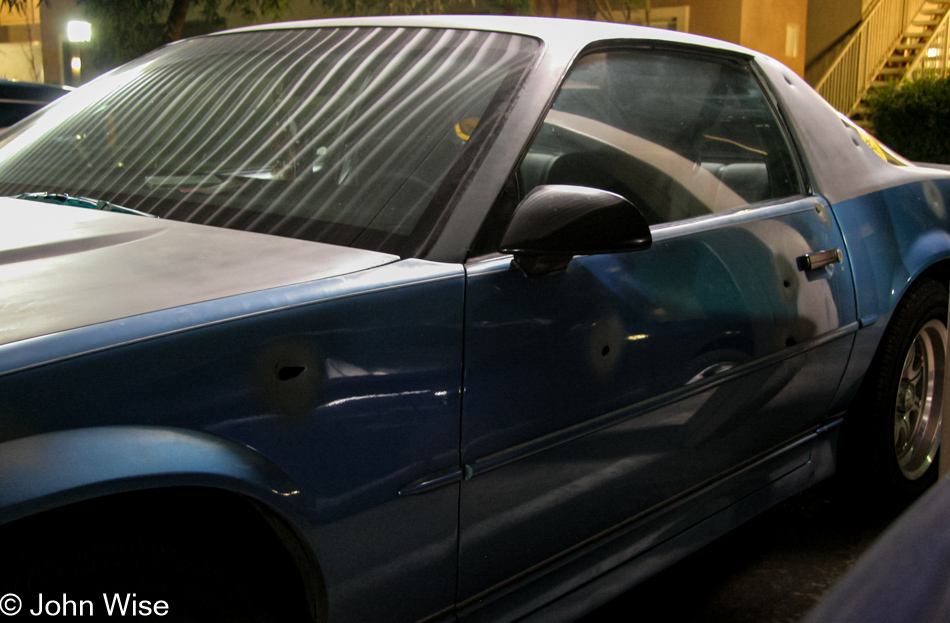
[[891, 437], [917, 407]]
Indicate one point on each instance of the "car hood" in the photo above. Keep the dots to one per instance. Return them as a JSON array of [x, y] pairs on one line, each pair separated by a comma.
[[66, 267]]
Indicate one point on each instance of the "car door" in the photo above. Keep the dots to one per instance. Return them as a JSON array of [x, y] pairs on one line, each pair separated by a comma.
[[598, 395]]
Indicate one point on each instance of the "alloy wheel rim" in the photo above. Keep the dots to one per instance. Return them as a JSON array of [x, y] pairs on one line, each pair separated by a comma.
[[919, 397]]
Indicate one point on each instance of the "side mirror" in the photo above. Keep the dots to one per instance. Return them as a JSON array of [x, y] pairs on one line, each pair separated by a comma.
[[554, 223]]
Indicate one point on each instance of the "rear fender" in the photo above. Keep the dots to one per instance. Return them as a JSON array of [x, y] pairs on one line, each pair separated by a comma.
[[927, 251], [929, 254]]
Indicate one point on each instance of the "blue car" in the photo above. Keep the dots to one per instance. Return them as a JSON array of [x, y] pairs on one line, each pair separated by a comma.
[[444, 319]]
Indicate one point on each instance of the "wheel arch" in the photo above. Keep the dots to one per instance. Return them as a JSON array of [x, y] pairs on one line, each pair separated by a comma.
[[927, 257], [868, 339], [938, 271], [868, 439], [76, 476]]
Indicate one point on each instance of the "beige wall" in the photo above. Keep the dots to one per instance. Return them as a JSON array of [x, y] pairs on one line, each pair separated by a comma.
[[719, 19], [828, 21], [765, 26], [21, 49], [762, 25], [53, 18]]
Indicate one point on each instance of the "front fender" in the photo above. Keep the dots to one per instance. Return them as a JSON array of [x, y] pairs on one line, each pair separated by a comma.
[[54, 469]]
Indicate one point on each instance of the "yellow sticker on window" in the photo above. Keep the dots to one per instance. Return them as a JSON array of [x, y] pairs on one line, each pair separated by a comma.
[[465, 127], [873, 144]]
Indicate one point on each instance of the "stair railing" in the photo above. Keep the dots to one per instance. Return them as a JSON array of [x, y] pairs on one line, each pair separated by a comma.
[[848, 78], [932, 62]]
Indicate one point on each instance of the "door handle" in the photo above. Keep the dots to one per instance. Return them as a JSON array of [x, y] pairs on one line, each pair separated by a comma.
[[818, 259]]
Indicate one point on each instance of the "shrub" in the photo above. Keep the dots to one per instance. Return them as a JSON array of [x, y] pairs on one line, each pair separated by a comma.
[[913, 118]]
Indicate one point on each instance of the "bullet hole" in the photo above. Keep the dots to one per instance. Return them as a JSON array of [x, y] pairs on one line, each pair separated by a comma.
[[289, 377], [606, 333], [285, 373], [787, 283]]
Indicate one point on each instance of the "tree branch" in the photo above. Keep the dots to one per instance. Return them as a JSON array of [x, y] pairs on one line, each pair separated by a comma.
[[176, 21]]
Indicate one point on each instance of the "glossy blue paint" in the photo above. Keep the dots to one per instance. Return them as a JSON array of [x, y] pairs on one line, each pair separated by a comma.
[[375, 407], [685, 526], [892, 236], [601, 393], [52, 469]]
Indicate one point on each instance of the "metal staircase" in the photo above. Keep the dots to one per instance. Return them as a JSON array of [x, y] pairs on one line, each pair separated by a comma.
[[898, 40]]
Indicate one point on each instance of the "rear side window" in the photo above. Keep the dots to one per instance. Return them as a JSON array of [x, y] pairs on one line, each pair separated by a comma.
[[679, 135]]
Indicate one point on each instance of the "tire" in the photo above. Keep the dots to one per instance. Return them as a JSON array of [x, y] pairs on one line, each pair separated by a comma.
[[891, 437]]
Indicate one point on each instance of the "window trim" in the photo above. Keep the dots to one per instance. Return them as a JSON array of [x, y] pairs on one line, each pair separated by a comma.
[[791, 138]]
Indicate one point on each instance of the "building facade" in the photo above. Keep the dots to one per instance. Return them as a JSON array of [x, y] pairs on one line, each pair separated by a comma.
[[810, 36]]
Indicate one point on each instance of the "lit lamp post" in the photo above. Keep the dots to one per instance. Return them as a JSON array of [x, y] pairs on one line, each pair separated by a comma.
[[77, 33]]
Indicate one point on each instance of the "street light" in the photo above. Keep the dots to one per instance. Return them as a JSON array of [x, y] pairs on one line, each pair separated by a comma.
[[77, 32]]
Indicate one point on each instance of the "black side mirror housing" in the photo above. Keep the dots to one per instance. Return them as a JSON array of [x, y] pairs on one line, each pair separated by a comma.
[[553, 223]]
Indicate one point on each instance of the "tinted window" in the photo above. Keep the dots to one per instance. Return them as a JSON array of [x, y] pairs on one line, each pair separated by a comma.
[[679, 135]]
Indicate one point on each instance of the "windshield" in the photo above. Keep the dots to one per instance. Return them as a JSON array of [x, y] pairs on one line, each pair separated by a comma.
[[340, 135]]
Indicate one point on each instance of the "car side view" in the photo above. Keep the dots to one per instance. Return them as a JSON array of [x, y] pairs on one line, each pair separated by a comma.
[[444, 319]]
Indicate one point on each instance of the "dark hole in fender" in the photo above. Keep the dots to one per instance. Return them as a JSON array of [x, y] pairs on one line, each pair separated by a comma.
[[285, 373], [290, 377]]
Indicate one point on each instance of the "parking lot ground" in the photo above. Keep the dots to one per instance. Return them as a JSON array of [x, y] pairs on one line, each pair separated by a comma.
[[771, 570]]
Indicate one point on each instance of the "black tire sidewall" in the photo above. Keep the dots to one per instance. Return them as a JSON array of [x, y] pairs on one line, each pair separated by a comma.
[[868, 454]]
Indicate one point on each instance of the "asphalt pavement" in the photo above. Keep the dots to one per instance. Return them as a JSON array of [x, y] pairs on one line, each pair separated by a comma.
[[770, 570]]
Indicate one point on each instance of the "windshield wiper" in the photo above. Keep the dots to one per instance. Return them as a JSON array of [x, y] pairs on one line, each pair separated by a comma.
[[81, 202]]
